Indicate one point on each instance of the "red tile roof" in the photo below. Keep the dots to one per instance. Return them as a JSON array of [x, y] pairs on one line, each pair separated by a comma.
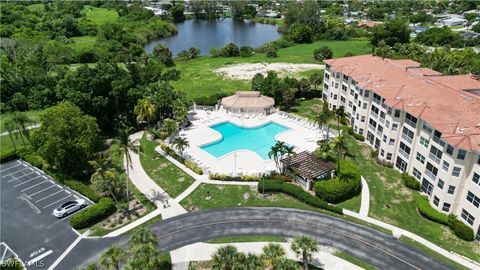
[[464, 82], [439, 101]]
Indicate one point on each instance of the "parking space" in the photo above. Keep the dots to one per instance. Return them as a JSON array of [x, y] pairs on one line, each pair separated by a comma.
[[28, 226]]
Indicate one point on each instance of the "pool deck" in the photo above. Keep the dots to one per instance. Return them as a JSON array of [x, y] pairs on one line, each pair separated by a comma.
[[301, 135]]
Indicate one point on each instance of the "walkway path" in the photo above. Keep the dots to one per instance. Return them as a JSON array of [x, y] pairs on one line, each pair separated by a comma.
[[203, 252], [28, 128], [365, 202]]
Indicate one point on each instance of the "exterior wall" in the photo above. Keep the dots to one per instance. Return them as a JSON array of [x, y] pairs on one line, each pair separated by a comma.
[[267, 110], [412, 146]]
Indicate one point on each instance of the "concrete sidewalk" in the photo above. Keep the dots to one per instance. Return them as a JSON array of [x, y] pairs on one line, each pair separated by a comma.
[[203, 252], [365, 202]]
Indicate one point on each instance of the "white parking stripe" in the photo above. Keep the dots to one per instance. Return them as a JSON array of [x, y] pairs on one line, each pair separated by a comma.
[[26, 181], [49, 196], [38, 258], [3, 175], [48, 205], [33, 194], [33, 186], [5, 169]]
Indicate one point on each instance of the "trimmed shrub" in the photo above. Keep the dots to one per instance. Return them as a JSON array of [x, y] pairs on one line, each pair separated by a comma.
[[246, 51], [192, 166], [34, 160], [359, 137], [410, 182], [170, 152], [83, 189], [460, 229], [428, 212], [94, 214], [337, 190], [7, 156], [224, 177], [296, 192]]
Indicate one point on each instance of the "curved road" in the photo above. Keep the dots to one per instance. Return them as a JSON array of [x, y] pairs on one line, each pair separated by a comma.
[[371, 246]]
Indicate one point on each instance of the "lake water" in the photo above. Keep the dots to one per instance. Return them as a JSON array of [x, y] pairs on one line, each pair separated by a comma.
[[207, 34]]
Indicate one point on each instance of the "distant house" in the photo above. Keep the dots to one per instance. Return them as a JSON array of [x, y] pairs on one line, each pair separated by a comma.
[[368, 24], [418, 29], [306, 168], [452, 20]]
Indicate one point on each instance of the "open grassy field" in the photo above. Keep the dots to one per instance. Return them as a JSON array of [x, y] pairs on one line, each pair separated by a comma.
[[168, 176], [83, 43], [99, 16], [6, 143], [198, 78]]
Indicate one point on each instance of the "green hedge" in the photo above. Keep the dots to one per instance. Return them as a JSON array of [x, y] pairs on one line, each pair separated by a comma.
[[224, 177], [296, 192], [347, 185], [94, 214], [8, 155], [83, 189], [460, 229], [428, 212], [189, 164], [410, 182], [194, 167]]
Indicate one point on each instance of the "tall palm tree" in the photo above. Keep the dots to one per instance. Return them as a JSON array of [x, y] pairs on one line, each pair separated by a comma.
[[275, 154], [104, 176], [23, 120], [144, 110], [225, 258], [125, 146], [12, 130], [322, 120], [285, 264], [289, 151], [144, 256], [181, 143], [142, 235], [112, 257], [304, 247], [271, 254]]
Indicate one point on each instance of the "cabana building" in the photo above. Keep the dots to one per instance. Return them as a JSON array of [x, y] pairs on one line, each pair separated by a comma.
[[248, 102]]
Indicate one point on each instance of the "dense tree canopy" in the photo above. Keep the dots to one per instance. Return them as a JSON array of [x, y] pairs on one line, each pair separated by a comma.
[[392, 32], [440, 37]]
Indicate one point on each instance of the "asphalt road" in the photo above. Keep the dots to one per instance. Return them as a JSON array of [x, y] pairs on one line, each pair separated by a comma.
[[371, 246]]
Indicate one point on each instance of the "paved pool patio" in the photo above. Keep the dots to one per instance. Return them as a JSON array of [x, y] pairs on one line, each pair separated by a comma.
[[302, 134]]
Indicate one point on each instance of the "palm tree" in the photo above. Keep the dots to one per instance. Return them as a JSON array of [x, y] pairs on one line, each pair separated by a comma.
[[181, 143], [125, 146], [274, 153], [225, 258], [289, 152], [12, 130], [142, 235], [22, 120], [322, 120], [144, 256], [144, 110], [272, 253], [252, 262], [112, 257], [104, 176], [285, 264], [304, 247]]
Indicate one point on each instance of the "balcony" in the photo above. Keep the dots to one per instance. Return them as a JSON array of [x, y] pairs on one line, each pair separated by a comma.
[[375, 115], [403, 153], [371, 127], [438, 140], [434, 158], [377, 101], [430, 175], [382, 120], [406, 138], [379, 133], [410, 123]]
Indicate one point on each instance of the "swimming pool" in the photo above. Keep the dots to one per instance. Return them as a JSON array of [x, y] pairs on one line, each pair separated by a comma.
[[257, 139]]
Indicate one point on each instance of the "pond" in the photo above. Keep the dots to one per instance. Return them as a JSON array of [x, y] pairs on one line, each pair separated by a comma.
[[206, 34]]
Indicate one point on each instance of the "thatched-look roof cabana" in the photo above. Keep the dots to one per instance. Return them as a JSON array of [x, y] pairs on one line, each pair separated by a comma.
[[248, 101]]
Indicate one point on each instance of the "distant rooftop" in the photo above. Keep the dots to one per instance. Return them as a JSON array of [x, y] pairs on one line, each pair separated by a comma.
[[442, 101], [248, 99]]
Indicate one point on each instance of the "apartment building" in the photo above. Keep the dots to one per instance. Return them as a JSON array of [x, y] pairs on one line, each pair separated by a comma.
[[420, 121]]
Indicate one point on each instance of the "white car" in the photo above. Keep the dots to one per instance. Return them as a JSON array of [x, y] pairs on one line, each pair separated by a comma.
[[69, 207]]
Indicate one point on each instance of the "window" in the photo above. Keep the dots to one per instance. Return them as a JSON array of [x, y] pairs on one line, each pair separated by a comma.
[[473, 199], [437, 138], [435, 154], [456, 171], [404, 149], [365, 105], [417, 173], [449, 149], [407, 134], [384, 138], [440, 184], [363, 119], [445, 166], [391, 142], [476, 178], [389, 156], [344, 88], [397, 113], [451, 190], [436, 200], [401, 164], [478, 161], [411, 120], [394, 127], [446, 207], [461, 154], [342, 98], [360, 131], [367, 93], [467, 217], [420, 158], [427, 128], [432, 169], [424, 142]]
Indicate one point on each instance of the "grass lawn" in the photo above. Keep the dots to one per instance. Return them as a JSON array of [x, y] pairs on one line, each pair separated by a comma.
[[393, 203], [199, 80], [308, 108], [168, 176], [6, 143], [99, 16], [36, 7], [240, 239], [84, 43], [355, 261]]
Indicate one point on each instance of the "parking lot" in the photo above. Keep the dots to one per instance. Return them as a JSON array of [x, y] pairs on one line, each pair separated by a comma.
[[28, 227]]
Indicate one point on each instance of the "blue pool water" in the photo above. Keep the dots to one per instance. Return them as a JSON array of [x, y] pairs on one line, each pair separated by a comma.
[[257, 139]]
